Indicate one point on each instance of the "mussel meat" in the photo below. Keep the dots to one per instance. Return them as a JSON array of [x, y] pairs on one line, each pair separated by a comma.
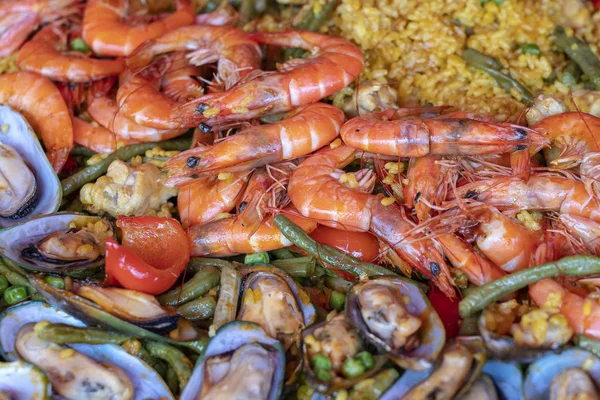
[[18, 190]]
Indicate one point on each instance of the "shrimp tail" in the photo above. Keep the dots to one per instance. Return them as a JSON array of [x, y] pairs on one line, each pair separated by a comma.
[[58, 157], [520, 162]]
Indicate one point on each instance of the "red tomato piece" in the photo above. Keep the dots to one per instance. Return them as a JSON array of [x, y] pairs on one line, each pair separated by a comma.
[[361, 245], [447, 309]]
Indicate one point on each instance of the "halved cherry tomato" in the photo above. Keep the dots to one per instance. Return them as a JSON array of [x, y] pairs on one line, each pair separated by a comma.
[[361, 245], [153, 253], [446, 308]]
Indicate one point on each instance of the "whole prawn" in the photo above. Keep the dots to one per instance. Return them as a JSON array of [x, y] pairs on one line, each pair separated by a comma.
[[303, 131], [107, 32], [318, 194], [42, 104]]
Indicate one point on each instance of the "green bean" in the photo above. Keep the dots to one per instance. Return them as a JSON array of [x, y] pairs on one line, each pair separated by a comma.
[[229, 293], [79, 150], [482, 59], [175, 358], [198, 309], [15, 278], [587, 343], [506, 82], [204, 280], [299, 267], [580, 53], [282, 254], [93, 172], [328, 254], [338, 284], [13, 266], [3, 284], [171, 380], [372, 388], [312, 22], [257, 258], [197, 263], [479, 298], [59, 333]]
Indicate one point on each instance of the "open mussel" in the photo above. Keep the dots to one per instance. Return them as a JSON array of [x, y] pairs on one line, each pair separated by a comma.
[[572, 374], [240, 362], [63, 243], [394, 315], [23, 381], [76, 371], [335, 356], [28, 184]]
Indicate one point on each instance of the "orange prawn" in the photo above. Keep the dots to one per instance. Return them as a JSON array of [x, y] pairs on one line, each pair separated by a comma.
[[303, 131], [94, 137], [227, 237], [47, 54], [42, 104], [108, 33], [317, 194], [427, 185], [180, 81], [586, 230], [333, 65]]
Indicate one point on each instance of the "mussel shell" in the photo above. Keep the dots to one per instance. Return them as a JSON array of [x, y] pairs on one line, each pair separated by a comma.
[[16, 239], [230, 337], [24, 381], [22, 138], [146, 382], [542, 372], [330, 387], [432, 335], [508, 379]]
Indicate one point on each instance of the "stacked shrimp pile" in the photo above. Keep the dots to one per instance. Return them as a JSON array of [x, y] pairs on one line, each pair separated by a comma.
[[450, 194]]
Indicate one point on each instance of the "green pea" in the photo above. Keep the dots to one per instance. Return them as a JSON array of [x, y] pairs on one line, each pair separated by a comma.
[[531, 48], [366, 359], [320, 362], [79, 44], [55, 281], [353, 368], [257, 258], [3, 284], [15, 294], [337, 301], [323, 375]]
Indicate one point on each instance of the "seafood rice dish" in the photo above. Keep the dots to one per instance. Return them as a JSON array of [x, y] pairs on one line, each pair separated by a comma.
[[299, 199]]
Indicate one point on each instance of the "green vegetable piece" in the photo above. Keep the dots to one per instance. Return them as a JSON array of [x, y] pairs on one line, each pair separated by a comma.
[[55, 281], [78, 44], [531, 48], [580, 53], [374, 387], [320, 362], [366, 359], [15, 294], [498, 2], [472, 56], [323, 375], [571, 74], [198, 309], [257, 258], [480, 297], [337, 301], [298, 267], [61, 334], [175, 358], [204, 280], [3, 284], [352, 368]]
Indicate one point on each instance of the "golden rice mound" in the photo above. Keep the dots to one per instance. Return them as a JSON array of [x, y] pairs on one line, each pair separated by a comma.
[[416, 47]]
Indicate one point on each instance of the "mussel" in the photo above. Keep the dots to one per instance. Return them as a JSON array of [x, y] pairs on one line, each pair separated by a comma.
[[63, 243], [395, 316], [28, 184], [18, 339], [21, 380], [240, 362]]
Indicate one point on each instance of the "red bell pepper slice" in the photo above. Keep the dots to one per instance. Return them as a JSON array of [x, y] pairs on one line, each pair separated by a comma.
[[447, 309], [153, 253]]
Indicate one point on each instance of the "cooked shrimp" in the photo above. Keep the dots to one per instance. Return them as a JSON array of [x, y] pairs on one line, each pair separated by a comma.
[[303, 131], [401, 133], [580, 312], [235, 53], [541, 192], [41, 103], [203, 200], [334, 63], [225, 15], [318, 194], [48, 54], [108, 33], [96, 138], [573, 134], [181, 81], [585, 229], [105, 111], [589, 170], [227, 237], [427, 185]]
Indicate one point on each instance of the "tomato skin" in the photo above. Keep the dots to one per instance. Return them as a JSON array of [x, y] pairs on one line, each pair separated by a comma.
[[153, 254], [361, 245], [447, 309]]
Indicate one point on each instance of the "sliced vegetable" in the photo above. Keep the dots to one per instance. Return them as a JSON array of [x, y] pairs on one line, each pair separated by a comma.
[[531, 48], [580, 53], [361, 245]]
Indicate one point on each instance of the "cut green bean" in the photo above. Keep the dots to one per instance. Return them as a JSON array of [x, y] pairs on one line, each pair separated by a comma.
[[14, 267], [257, 258], [79, 150], [374, 387], [78, 179], [312, 22], [204, 280], [587, 343], [171, 379], [580, 53], [59, 333], [174, 357], [328, 254], [197, 263], [15, 278], [229, 294], [198, 309], [338, 284], [282, 254], [299, 267], [481, 297], [3, 284], [478, 60]]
